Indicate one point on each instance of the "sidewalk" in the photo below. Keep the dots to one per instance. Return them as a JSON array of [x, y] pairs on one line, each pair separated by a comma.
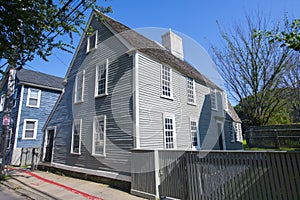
[[45, 185]]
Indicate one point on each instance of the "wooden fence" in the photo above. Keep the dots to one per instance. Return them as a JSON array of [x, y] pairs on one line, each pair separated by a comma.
[[274, 136], [216, 174]]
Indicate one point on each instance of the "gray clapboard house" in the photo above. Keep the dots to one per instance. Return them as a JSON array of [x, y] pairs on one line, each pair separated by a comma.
[[124, 91]]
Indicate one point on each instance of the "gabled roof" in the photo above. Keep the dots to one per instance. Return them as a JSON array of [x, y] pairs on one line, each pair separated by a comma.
[[232, 113], [156, 51], [38, 79]]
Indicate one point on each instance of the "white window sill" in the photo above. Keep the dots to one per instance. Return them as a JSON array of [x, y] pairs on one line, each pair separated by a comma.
[[192, 104], [90, 50], [78, 102], [99, 155], [28, 138], [76, 154], [101, 95], [167, 97], [32, 106]]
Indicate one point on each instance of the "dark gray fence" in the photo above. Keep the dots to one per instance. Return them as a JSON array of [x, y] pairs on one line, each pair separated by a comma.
[[223, 175], [274, 136]]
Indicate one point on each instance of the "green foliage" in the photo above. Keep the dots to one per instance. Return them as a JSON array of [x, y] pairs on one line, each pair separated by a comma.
[[30, 28], [289, 37]]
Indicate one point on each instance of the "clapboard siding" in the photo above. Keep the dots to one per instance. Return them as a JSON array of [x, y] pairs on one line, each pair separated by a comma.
[[117, 106], [152, 106], [47, 101]]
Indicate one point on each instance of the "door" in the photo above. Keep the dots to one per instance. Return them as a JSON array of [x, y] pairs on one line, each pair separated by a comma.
[[49, 145]]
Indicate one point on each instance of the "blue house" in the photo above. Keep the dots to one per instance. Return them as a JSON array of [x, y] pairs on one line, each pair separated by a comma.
[[124, 91], [33, 98]]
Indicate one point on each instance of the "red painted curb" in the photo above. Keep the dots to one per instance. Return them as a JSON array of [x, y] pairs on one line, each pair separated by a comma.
[[58, 184]]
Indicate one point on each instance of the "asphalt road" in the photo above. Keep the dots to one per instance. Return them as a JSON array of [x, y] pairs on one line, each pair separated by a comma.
[[8, 194]]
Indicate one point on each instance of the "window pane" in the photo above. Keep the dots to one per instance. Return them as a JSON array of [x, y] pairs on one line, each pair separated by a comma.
[[93, 41], [33, 102], [76, 137], [101, 79], [166, 81], [29, 133], [99, 135], [169, 133], [30, 125]]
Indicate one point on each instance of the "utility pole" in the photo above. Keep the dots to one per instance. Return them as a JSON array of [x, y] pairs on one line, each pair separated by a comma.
[[6, 119]]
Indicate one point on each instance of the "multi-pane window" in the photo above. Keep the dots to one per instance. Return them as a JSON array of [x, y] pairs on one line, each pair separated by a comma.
[[235, 129], [238, 131], [194, 133], [92, 41], [33, 97], [99, 135], [76, 136], [166, 81], [79, 87], [169, 131], [231, 131], [213, 99], [2, 102], [190, 90], [101, 79], [29, 129], [225, 101]]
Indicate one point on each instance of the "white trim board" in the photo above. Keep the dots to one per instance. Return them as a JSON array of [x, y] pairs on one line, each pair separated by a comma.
[[106, 174]]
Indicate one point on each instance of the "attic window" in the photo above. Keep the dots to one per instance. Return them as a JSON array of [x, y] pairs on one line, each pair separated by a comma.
[[190, 90], [33, 98], [92, 42], [225, 101], [213, 99], [166, 82]]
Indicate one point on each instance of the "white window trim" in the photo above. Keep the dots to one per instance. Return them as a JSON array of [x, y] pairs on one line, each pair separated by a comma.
[[231, 127], [8, 139], [238, 132], [106, 80], [38, 99], [225, 101], [34, 131], [82, 89], [88, 42], [194, 91], [214, 92], [104, 136], [2, 102], [198, 135], [169, 115], [171, 83], [75, 121]]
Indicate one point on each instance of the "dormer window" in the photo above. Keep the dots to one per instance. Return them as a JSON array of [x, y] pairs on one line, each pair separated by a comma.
[[92, 42], [213, 99]]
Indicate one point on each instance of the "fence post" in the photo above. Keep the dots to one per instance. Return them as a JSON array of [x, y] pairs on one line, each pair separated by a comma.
[[277, 142], [157, 175]]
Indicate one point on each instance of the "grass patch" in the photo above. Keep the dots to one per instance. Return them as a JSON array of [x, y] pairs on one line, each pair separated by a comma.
[[267, 149]]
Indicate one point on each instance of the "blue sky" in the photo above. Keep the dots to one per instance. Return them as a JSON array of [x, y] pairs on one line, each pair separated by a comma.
[[196, 19]]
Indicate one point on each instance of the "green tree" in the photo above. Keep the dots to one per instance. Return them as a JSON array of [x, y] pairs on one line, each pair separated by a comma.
[[289, 37], [253, 68], [30, 28]]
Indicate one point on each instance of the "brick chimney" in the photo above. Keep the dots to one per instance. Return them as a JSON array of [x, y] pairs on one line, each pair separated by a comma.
[[173, 42]]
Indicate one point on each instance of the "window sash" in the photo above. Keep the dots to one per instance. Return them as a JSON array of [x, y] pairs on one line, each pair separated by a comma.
[[232, 131], [30, 129], [99, 135], [166, 81], [101, 79], [191, 94], [213, 99], [92, 41], [194, 133], [76, 137], [34, 96], [79, 87], [169, 132]]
